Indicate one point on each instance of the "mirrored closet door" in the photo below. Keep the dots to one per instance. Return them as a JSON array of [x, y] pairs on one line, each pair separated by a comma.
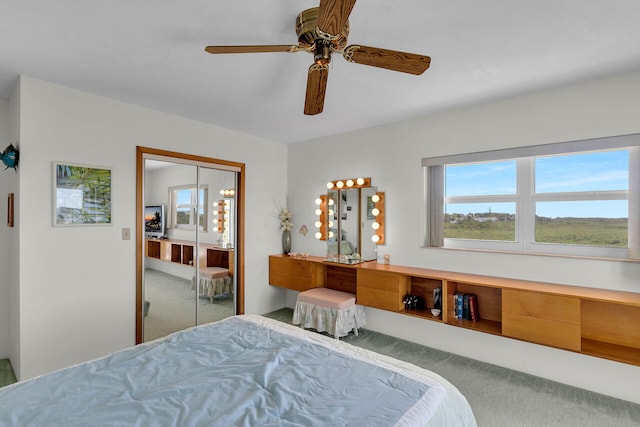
[[190, 240]]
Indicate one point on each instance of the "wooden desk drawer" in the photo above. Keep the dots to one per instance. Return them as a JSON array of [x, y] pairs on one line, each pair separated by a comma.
[[381, 290], [290, 266], [543, 306], [294, 282], [542, 331], [377, 280], [541, 318]]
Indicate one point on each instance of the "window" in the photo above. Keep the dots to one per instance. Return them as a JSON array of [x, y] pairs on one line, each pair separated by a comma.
[[577, 198], [188, 207]]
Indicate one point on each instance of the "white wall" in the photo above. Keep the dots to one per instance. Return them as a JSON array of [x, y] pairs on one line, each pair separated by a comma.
[[14, 242], [392, 155], [77, 284], [4, 235]]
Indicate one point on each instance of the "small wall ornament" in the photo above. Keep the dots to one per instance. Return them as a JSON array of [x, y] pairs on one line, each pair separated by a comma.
[[10, 157]]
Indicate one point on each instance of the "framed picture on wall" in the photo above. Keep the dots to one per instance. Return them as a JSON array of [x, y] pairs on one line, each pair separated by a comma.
[[81, 194]]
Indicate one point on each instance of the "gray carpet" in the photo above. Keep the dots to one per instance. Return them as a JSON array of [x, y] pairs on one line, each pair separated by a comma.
[[498, 396], [173, 305], [6, 373]]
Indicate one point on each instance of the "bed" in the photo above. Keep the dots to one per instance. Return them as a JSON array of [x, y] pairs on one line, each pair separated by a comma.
[[242, 371]]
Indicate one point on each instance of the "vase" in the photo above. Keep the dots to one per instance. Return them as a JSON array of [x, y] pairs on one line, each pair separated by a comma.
[[286, 241]]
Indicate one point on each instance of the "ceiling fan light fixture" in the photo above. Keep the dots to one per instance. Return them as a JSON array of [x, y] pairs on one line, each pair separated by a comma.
[[322, 53]]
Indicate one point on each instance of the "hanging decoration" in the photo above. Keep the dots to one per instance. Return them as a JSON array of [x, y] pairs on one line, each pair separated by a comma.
[[10, 157]]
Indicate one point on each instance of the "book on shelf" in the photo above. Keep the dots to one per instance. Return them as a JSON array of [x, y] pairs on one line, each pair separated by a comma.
[[465, 307], [458, 298], [474, 312]]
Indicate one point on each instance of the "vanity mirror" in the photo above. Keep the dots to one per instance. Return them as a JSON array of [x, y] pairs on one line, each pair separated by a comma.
[[351, 220]]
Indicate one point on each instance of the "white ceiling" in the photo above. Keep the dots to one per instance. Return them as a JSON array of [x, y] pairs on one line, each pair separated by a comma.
[[151, 53]]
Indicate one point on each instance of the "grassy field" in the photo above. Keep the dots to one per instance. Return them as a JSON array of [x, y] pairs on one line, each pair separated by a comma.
[[605, 232]]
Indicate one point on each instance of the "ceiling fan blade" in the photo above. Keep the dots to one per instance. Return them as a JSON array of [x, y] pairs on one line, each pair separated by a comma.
[[252, 49], [316, 88], [389, 59], [332, 16]]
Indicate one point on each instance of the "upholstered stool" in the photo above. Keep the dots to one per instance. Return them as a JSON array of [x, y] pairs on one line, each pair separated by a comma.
[[214, 281], [328, 310]]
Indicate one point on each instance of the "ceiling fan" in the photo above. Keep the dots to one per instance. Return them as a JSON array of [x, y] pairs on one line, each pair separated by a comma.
[[322, 31]]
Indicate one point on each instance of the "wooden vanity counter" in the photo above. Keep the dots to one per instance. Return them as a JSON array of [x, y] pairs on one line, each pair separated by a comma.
[[598, 322]]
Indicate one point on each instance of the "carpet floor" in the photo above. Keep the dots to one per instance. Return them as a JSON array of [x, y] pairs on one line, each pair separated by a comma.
[[498, 396], [6, 373], [173, 306]]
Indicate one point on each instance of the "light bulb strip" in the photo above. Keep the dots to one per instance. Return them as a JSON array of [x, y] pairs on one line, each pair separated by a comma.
[[220, 212], [321, 234], [345, 184], [228, 192], [378, 238]]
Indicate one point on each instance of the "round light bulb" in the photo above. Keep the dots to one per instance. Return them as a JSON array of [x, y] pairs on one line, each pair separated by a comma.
[[222, 192], [360, 181], [318, 224], [215, 220], [331, 202], [339, 184], [330, 223], [375, 225], [318, 235], [329, 185], [318, 202], [318, 212], [330, 211], [375, 238], [349, 183], [215, 204], [375, 198], [331, 234], [375, 211]]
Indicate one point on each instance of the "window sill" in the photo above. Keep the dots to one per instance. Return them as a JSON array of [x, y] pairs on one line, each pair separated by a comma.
[[535, 254]]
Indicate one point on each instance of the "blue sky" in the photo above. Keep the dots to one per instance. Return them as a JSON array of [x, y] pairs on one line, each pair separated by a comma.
[[596, 171]]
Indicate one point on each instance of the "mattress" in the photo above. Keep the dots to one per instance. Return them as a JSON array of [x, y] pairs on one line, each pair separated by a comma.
[[242, 371]]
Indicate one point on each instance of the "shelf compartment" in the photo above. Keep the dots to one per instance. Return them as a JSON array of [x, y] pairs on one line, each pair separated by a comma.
[[341, 279], [176, 253], [187, 254], [611, 330], [153, 249], [489, 306], [619, 353]]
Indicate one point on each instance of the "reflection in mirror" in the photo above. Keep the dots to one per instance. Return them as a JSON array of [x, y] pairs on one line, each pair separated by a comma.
[[343, 241], [351, 221], [188, 270]]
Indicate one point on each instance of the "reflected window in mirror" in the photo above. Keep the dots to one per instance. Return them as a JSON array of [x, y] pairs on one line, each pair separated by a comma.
[[188, 207]]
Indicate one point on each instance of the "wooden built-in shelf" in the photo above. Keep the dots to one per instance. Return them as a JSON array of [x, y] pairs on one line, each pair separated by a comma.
[[184, 252], [597, 322]]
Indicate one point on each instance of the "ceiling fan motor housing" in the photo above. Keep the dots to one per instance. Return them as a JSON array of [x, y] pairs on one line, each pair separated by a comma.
[[308, 36]]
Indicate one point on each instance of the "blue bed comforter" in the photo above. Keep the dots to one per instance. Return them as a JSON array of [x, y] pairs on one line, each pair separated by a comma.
[[236, 372]]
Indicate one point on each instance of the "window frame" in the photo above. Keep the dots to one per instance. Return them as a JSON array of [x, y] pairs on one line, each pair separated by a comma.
[[526, 198], [193, 206]]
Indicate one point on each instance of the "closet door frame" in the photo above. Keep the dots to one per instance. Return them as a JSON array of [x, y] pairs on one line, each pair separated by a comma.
[[143, 153]]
